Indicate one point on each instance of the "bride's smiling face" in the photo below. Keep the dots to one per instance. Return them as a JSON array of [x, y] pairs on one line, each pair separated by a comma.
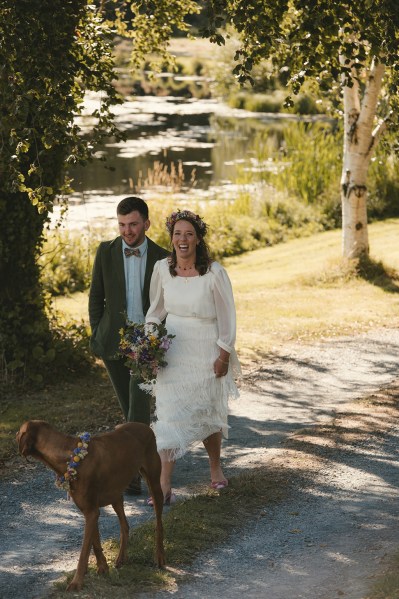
[[185, 240]]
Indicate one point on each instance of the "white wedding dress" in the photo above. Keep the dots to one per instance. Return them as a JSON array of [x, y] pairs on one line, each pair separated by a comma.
[[191, 403]]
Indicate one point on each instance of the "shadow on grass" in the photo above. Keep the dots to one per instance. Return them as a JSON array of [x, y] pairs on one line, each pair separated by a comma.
[[378, 274], [386, 585], [209, 519]]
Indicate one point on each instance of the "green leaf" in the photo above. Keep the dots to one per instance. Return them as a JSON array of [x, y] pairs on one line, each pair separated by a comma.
[[37, 352]]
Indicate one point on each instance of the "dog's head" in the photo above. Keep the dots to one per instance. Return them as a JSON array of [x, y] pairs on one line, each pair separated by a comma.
[[27, 436]]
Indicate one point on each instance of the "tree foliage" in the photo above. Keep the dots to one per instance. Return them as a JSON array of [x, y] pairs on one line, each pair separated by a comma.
[[310, 36], [151, 24], [346, 47], [51, 52]]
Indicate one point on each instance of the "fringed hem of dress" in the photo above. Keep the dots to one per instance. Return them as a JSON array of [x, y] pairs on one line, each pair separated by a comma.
[[191, 403]]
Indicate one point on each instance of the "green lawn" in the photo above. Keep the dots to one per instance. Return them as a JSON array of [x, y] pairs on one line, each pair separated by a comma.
[[301, 290]]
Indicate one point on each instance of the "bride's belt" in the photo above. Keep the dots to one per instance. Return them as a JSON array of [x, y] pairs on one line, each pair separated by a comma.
[[191, 320]]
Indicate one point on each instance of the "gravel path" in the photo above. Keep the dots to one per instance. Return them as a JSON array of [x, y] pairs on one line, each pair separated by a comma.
[[324, 542]]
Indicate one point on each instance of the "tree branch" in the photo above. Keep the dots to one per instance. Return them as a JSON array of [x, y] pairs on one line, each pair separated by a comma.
[[351, 100], [378, 132], [371, 94]]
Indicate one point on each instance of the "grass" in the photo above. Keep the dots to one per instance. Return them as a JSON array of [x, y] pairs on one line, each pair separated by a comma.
[[386, 585], [302, 291], [83, 404], [298, 291]]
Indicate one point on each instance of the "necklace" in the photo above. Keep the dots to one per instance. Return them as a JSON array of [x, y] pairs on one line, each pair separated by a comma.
[[186, 267]]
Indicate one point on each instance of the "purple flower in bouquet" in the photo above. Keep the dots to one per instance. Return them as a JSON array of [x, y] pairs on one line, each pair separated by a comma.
[[165, 343]]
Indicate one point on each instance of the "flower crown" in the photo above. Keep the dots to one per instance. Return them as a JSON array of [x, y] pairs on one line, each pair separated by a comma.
[[185, 215]]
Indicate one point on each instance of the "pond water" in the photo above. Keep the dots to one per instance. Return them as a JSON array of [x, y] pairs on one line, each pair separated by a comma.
[[206, 140]]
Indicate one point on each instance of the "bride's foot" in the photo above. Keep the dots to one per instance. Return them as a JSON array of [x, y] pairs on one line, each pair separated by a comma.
[[169, 499], [217, 475], [219, 484]]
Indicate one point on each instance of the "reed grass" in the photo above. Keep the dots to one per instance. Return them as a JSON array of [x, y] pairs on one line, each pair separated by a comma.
[[171, 177]]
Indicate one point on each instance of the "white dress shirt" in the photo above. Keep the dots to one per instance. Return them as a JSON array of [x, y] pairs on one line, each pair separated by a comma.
[[134, 279]]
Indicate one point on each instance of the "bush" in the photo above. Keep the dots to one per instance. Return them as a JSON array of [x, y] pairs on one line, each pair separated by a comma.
[[305, 104], [258, 218], [237, 100], [257, 102], [66, 262], [264, 103], [383, 184], [72, 353]]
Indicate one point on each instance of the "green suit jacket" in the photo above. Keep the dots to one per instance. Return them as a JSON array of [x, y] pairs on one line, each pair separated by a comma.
[[107, 297]]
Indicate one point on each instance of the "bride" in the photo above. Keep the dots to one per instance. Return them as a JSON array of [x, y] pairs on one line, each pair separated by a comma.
[[194, 294]]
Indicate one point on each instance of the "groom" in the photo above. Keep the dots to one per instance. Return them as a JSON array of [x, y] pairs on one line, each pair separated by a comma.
[[120, 286]]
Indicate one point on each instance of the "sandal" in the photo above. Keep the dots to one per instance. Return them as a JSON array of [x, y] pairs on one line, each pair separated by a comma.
[[170, 498], [221, 484]]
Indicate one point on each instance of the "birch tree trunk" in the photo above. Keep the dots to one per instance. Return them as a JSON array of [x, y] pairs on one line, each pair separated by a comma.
[[360, 139]]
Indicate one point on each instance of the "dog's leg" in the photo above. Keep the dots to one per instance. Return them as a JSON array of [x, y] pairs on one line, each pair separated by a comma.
[[102, 566], [91, 525], [124, 532], [152, 476]]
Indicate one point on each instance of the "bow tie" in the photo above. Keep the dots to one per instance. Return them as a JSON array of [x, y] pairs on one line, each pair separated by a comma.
[[132, 252]]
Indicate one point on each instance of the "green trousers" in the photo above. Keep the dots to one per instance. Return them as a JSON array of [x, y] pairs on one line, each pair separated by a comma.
[[134, 402]]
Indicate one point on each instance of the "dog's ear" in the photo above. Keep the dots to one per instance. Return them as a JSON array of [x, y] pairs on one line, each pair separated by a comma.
[[26, 438]]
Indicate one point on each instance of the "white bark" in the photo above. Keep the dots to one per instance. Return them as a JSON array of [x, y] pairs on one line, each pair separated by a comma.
[[360, 139]]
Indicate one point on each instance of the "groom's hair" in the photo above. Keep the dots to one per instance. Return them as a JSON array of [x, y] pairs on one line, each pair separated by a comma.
[[131, 203]]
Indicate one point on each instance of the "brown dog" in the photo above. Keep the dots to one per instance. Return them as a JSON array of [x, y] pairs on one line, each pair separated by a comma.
[[112, 460]]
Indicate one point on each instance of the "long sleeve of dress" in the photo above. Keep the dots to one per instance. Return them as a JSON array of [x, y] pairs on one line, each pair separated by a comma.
[[225, 309], [156, 312]]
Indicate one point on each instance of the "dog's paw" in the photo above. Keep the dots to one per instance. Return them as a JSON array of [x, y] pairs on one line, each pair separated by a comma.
[[75, 585], [120, 560], [102, 568]]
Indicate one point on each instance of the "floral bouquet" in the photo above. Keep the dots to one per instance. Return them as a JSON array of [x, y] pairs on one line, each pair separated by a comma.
[[144, 346]]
